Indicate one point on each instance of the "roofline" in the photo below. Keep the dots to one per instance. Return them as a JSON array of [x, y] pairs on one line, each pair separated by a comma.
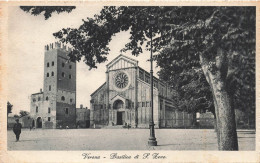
[[37, 93], [153, 76], [122, 56], [98, 89]]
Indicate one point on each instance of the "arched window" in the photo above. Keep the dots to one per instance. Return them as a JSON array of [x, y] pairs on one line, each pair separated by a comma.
[[118, 104], [49, 110], [49, 87], [52, 63], [70, 66], [39, 98], [47, 74], [36, 109], [63, 64], [63, 98], [34, 99], [52, 73], [67, 110], [71, 100], [48, 64], [63, 74], [70, 76], [47, 98]]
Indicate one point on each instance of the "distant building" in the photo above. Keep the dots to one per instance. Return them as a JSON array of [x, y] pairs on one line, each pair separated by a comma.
[[125, 99], [83, 119], [26, 121], [55, 106], [10, 121]]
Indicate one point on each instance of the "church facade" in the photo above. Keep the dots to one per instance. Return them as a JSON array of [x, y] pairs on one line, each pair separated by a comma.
[[124, 98]]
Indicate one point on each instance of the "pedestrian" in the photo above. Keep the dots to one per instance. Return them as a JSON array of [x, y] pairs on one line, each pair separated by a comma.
[[17, 129]]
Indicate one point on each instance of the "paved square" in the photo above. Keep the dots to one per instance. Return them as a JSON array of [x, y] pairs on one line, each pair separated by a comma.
[[122, 139]]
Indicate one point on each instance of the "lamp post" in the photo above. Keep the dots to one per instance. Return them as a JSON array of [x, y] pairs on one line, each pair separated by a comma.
[[152, 140]]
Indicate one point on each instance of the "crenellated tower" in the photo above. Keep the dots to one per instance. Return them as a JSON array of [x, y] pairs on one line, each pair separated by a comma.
[[57, 105], [60, 83]]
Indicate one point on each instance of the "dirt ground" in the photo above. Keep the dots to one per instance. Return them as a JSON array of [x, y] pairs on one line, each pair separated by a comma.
[[123, 139]]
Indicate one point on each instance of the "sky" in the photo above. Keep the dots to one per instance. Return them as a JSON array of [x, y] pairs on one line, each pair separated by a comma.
[[27, 36]]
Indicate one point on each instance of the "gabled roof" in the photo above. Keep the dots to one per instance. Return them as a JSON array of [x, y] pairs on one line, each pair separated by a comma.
[[118, 95], [98, 89], [123, 56]]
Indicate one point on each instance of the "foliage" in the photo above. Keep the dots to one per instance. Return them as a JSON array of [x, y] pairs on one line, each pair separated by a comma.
[[193, 91], [181, 35], [47, 10], [9, 107], [23, 113], [16, 116]]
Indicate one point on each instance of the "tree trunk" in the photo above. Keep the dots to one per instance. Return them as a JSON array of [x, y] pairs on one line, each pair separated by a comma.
[[216, 120], [225, 115], [215, 123]]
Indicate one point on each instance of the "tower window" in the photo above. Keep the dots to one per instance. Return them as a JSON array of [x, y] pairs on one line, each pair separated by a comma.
[[63, 98], [47, 98], [47, 74], [52, 73], [70, 66], [71, 100], [66, 110], [70, 76], [39, 98], [49, 110], [63, 64], [34, 99], [49, 87], [63, 74], [36, 109], [49, 119], [48, 64], [52, 63]]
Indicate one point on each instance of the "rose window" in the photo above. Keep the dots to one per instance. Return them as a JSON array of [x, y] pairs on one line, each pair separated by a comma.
[[121, 80]]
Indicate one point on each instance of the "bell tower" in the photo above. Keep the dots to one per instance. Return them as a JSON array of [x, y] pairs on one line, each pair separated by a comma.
[[60, 85]]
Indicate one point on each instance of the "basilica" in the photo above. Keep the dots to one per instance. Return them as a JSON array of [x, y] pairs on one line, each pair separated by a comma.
[[124, 98]]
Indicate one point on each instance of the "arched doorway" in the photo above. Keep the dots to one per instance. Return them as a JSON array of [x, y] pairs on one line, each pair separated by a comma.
[[39, 122], [119, 104]]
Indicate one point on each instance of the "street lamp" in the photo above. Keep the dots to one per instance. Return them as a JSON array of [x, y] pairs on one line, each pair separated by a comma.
[[152, 140]]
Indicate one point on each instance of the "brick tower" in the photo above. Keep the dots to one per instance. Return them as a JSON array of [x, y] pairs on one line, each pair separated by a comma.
[[57, 105]]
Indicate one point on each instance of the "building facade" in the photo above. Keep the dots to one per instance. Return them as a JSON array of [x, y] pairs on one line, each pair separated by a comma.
[[125, 99], [55, 106], [83, 119]]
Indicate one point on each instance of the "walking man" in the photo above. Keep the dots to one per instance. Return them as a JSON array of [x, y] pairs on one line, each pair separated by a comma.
[[17, 129]]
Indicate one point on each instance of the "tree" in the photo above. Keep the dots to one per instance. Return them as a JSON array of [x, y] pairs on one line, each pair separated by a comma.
[[47, 10], [16, 116], [212, 39], [23, 113], [9, 107]]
